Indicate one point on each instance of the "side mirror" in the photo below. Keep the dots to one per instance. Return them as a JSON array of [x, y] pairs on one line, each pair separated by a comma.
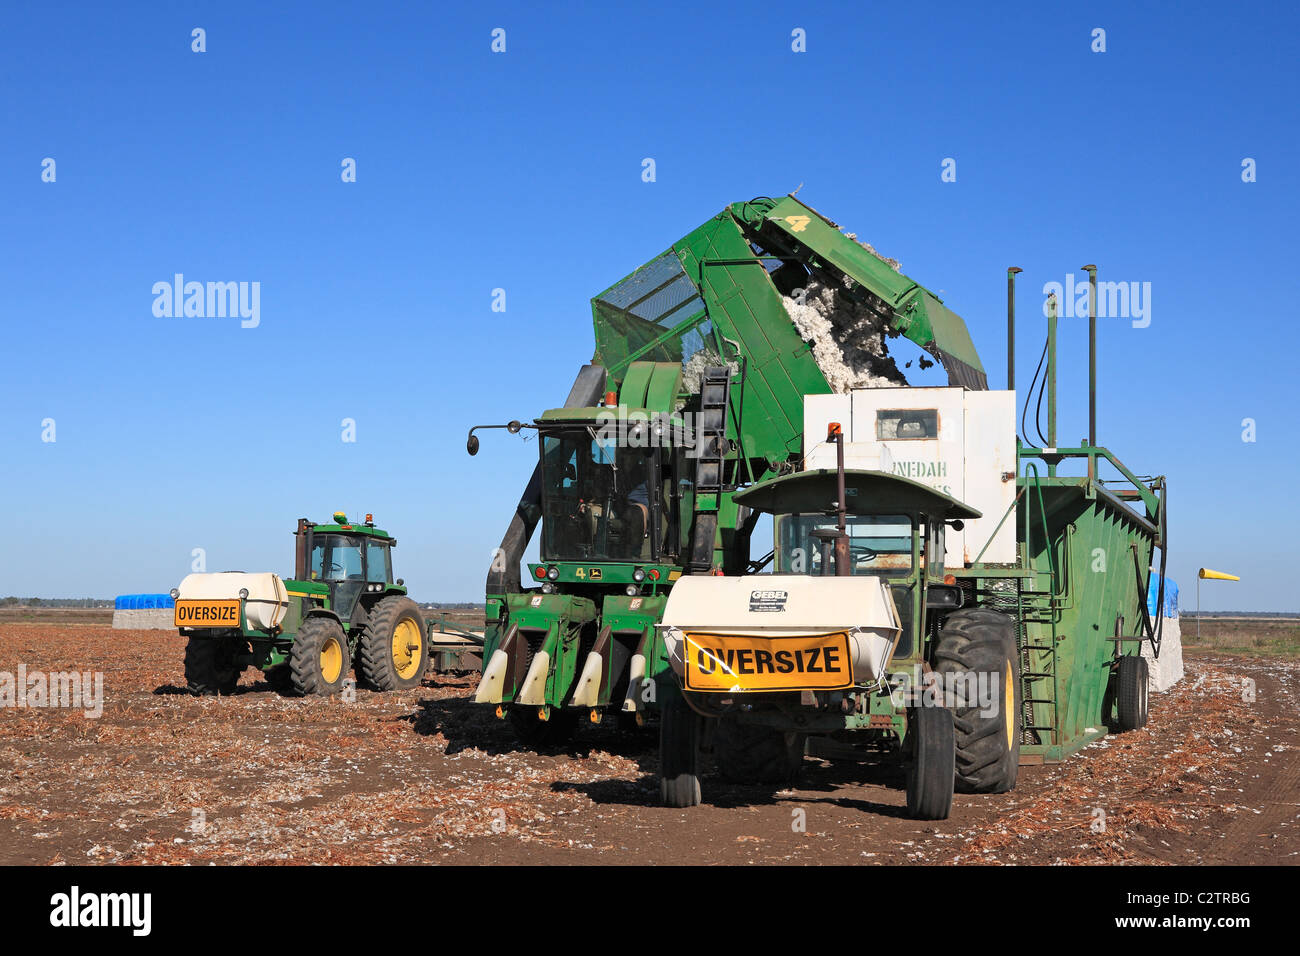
[[471, 444], [514, 427], [400, 582], [956, 524]]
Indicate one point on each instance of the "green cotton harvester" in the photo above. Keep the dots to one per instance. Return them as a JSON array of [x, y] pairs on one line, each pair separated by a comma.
[[719, 366]]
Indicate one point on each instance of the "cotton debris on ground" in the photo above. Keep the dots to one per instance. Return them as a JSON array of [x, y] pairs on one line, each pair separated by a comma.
[[848, 338]]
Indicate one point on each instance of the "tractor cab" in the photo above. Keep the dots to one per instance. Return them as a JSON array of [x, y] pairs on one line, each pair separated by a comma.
[[610, 497], [893, 529], [348, 559]]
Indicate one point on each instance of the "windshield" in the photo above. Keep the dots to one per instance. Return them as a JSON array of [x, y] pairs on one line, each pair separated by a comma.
[[878, 544], [599, 500], [335, 557]]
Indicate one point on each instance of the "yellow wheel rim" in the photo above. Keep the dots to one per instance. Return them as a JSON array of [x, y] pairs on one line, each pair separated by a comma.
[[1009, 707], [407, 653], [331, 660]]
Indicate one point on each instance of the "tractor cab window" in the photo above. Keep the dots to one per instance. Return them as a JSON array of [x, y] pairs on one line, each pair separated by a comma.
[[878, 544], [335, 557], [934, 548], [379, 563], [600, 500]]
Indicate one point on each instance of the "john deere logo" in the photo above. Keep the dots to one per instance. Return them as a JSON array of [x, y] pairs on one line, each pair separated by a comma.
[[767, 600]]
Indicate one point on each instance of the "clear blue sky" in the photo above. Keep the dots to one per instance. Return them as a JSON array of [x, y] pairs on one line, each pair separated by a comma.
[[522, 171]]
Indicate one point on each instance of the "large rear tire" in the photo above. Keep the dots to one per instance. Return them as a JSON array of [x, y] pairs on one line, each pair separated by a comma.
[[394, 648], [210, 667], [751, 753], [679, 752], [931, 763], [319, 659], [982, 643], [1132, 692]]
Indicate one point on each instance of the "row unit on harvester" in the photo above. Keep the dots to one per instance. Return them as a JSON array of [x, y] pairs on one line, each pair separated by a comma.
[[955, 552]]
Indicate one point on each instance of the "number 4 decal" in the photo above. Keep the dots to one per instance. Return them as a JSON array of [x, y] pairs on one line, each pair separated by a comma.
[[798, 223]]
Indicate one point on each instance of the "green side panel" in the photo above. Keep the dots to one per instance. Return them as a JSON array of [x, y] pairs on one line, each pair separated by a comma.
[[1099, 553], [917, 313], [745, 308], [636, 384], [665, 384]]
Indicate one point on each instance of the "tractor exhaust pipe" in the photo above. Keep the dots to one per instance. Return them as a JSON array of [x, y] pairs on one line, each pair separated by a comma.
[[1092, 366], [301, 550], [1011, 327], [842, 556]]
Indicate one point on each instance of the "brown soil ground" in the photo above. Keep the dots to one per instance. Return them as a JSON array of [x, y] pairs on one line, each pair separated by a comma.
[[425, 776]]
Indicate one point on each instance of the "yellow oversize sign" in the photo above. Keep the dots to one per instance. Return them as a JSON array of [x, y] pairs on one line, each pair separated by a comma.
[[207, 614], [727, 662]]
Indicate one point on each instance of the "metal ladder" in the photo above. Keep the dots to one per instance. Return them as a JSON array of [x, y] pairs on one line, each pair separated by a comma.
[[710, 461]]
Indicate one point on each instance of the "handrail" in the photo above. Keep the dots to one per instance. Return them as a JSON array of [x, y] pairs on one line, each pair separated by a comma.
[[1042, 513]]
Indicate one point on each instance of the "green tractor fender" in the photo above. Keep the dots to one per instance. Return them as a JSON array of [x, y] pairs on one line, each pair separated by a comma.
[[329, 615]]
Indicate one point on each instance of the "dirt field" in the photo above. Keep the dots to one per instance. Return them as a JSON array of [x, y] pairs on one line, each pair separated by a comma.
[[424, 776]]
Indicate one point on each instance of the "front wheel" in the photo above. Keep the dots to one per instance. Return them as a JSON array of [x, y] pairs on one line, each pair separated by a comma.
[[1132, 700], [932, 763], [679, 753], [318, 661]]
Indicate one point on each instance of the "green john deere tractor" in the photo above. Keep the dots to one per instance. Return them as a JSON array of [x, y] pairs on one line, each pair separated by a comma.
[[342, 607]]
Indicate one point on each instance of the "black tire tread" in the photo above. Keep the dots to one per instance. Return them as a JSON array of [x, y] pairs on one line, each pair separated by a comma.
[[679, 753], [204, 674], [931, 763], [305, 674], [751, 753], [981, 640], [1132, 703], [375, 649]]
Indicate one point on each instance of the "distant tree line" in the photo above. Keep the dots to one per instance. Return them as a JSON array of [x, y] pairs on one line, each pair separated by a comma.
[[1192, 612], [55, 602]]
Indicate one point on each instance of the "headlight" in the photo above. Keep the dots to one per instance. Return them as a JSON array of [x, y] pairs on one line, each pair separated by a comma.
[[176, 592], [632, 590], [549, 588], [638, 575], [553, 573], [243, 594]]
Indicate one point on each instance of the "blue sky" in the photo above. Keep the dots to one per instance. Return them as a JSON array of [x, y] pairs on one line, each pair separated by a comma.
[[522, 171]]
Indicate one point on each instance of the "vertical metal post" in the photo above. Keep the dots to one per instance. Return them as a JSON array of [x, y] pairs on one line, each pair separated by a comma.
[[842, 556], [1051, 380], [1198, 608], [1092, 368], [1011, 327]]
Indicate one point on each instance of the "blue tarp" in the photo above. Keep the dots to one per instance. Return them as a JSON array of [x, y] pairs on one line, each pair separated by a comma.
[[1171, 596], [140, 602]]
